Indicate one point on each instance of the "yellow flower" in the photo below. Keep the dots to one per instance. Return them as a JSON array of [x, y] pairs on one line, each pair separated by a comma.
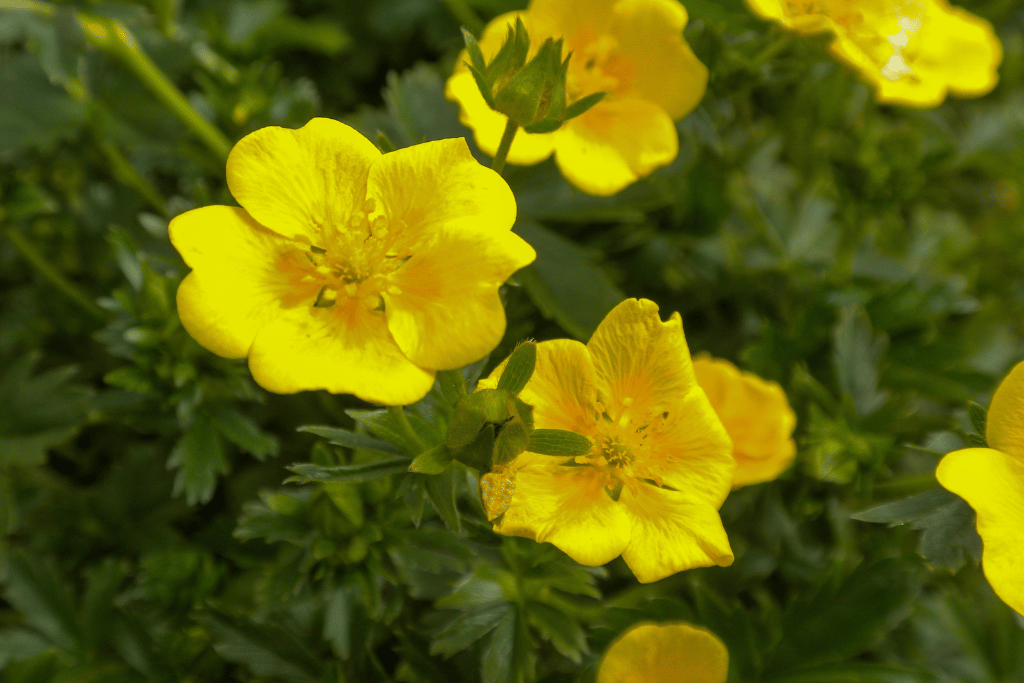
[[631, 49], [349, 270], [757, 416], [992, 481], [665, 653], [911, 51], [661, 465]]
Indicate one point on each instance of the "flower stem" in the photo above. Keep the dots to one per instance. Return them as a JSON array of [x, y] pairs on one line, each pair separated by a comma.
[[498, 163], [398, 412], [48, 271]]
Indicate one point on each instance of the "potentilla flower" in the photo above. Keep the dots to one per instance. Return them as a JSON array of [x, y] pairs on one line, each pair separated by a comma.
[[911, 51], [632, 50], [992, 481], [756, 414], [661, 462], [665, 653], [349, 270]]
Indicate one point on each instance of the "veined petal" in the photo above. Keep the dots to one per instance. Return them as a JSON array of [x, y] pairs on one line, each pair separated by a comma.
[[615, 144], [435, 185], [993, 483], [691, 452], [488, 125], [562, 389], [346, 349], [1004, 427], [639, 360], [756, 415], [669, 533], [445, 311], [235, 287], [665, 653], [567, 508], [300, 182], [652, 61]]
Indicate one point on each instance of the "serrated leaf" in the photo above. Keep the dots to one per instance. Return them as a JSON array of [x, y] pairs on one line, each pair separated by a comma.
[[949, 535], [467, 628], [563, 632], [265, 649], [519, 368], [558, 442], [442, 492], [564, 283], [509, 656], [43, 599], [198, 458], [307, 473], [350, 439], [245, 433], [857, 352]]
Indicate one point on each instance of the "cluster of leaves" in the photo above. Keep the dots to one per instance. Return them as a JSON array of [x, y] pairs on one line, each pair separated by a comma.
[[865, 257]]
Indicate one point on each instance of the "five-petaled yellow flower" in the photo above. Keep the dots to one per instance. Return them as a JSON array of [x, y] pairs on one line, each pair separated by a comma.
[[992, 481], [756, 414], [661, 462], [665, 653], [631, 49], [346, 269], [911, 51]]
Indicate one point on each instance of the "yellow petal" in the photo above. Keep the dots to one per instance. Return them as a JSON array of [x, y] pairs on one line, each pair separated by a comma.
[[567, 508], [993, 483], [755, 413], [488, 125], [446, 312], [298, 182], [640, 360], [665, 653], [1004, 428], [235, 287], [345, 349], [615, 144], [562, 389], [669, 533], [578, 22], [652, 61], [691, 452], [434, 185]]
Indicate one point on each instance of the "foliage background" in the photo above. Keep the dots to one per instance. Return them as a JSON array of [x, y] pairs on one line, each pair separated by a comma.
[[866, 257]]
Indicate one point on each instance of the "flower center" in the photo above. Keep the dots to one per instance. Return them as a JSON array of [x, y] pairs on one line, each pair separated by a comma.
[[352, 263], [586, 75]]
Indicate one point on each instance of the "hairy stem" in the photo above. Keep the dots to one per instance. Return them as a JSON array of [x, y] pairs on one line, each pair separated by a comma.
[[498, 163]]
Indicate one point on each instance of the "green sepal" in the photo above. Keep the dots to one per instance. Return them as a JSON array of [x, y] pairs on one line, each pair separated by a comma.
[[475, 410], [545, 126], [482, 85], [384, 143], [519, 368], [528, 95], [478, 453], [453, 385], [476, 55], [558, 442], [512, 439], [433, 461], [583, 104]]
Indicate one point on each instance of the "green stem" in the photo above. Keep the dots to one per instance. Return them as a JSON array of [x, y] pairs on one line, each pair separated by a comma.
[[498, 163], [398, 412], [128, 175], [113, 37], [48, 271], [465, 15]]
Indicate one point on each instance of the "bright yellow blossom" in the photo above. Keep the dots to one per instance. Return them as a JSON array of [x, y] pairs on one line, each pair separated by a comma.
[[661, 464], [911, 51], [631, 49], [992, 481], [665, 653], [756, 414], [346, 269]]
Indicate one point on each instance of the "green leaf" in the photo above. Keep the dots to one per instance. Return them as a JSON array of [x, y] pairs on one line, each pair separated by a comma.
[[442, 492], [906, 510], [199, 458], [509, 656], [307, 473], [857, 352], [350, 439], [842, 621], [383, 424], [562, 631], [558, 442], [433, 461], [467, 628], [564, 282], [979, 417], [245, 433], [519, 368], [338, 621], [265, 649], [854, 672], [34, 113], [34, 588]]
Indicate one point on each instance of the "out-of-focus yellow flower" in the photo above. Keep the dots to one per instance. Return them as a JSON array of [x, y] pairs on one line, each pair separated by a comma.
[[756, 414], [665, 653], [992, 481], [349, 270], [912, 51], [631, 49], [661, 464]]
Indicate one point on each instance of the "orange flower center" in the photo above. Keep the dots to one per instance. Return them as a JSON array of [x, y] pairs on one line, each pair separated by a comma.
[[586, 74], [354, 263], [622, 446]]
